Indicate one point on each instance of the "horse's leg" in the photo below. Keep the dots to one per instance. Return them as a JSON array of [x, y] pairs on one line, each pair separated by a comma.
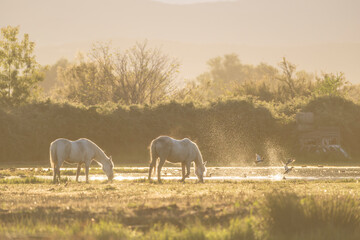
[[152, 165], [161, 163], [57, 165], [54, 173], [182, 172], [78, 171], [187, 169], [58, 172], [87, 166]]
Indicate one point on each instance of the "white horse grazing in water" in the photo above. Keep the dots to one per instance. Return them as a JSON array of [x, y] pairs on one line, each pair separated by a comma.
[[80, 151], [184, 151]]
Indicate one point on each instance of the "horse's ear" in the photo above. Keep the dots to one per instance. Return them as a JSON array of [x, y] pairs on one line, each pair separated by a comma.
[[205, 163], [111, 158]]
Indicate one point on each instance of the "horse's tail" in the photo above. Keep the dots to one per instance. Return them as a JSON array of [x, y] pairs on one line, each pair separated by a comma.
[[53, 155], [153, 155]]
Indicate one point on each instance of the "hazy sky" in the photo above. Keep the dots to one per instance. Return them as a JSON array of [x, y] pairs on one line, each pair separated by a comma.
[[181, 2], [317, 35]]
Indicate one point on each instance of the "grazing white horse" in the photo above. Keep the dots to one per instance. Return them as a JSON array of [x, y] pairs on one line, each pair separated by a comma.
[[184, 151], [80, 151]]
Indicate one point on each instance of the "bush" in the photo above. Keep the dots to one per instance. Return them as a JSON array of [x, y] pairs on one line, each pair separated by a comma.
[[228, 131]]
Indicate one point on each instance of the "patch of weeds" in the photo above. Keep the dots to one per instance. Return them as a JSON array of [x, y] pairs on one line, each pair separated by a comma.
[[109, 188], [131, 170], [132, 205], [26, 180], [287, 214]]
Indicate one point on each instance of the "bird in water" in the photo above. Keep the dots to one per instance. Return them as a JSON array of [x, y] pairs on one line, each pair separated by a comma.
[[288, 169], [290, 160], [258, 159]]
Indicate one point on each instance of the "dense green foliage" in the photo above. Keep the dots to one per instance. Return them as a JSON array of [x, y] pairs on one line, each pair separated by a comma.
[[227, 131], [223, 130], [138, 75], [19, 71]]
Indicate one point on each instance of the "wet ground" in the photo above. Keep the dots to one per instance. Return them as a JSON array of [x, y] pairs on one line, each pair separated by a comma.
[[239, 173], [261, 173]]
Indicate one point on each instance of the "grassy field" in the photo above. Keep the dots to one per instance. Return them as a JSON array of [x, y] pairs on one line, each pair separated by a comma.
[[40, 171], [33, 208]]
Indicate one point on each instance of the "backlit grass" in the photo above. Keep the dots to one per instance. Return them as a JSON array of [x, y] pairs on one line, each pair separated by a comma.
[[173, 210], [21, 172]]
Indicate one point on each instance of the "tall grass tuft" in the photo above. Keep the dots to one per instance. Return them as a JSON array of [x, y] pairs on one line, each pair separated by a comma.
[[238, 229], [171, 232], [324, 216]]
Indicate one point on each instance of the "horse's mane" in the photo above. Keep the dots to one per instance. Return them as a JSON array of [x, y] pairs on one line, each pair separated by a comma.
[[100, 152]]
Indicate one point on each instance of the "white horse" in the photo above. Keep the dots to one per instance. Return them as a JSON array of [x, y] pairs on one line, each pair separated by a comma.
[[80, 151], [184, 151]]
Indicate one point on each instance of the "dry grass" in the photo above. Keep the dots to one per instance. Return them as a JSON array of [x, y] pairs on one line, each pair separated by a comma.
[[39, 171], [143, 210]]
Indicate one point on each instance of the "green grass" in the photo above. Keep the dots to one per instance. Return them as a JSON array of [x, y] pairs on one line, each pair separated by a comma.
[[172, 210], [324, 217], [284, 216], [26, 180], [77, 230], [6, 172]]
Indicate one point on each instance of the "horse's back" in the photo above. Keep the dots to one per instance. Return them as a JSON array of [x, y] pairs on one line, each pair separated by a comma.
[[162, 140], [162, 146], [60, 143], [185, 147], [69, 150], [169, 142], [174, 150], [60, 148], [81, 148]]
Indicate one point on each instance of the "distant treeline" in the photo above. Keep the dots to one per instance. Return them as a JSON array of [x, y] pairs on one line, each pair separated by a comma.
[[227, 131], [123, 99]]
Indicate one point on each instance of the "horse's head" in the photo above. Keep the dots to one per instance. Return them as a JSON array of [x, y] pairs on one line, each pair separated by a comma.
[[108, 168], [200, 171]]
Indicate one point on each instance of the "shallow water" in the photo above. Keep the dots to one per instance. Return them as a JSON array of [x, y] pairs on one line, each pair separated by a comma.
[[241, 174]]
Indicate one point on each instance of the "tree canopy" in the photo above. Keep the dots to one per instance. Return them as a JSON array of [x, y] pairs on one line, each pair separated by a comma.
[[19, 71], [139, 75]]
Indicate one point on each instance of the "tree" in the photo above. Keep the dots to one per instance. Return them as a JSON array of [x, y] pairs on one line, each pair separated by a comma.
[[288, 70], [228, 76], [144, 75], [293, 83], [51, 76], [138, 75], [19, 71], [331, 84], [83, 82]]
